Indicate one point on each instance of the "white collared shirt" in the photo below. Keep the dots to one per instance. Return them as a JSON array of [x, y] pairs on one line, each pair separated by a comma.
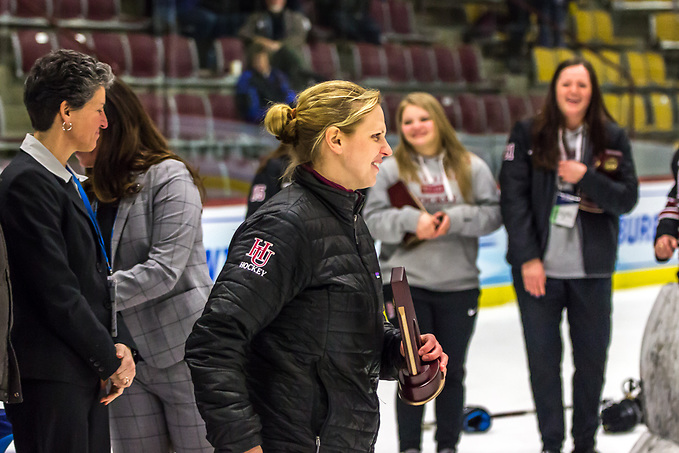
[[44, 157]]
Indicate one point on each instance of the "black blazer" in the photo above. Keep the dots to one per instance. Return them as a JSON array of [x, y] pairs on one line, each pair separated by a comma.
[[10, 382], [527, 195], [62, 314]]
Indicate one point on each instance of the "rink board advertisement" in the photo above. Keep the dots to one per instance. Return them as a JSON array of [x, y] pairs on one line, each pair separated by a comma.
[[635, 252]]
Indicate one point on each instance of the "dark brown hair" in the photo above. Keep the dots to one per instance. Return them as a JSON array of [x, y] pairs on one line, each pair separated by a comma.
[[550, 119], [130, 145]]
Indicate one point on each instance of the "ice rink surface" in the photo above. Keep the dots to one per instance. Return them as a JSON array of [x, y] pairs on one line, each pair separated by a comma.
[[497, 379]]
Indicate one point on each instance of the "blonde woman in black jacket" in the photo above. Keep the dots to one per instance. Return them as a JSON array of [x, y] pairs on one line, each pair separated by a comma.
[[293, 341], [566, 177]]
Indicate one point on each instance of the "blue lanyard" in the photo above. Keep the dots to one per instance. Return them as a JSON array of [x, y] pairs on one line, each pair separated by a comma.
[[93, 218]]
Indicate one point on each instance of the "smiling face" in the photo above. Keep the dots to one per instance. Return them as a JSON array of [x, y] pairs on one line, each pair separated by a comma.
[[573, 94], [419, 130], [87, 122], [363, 151]]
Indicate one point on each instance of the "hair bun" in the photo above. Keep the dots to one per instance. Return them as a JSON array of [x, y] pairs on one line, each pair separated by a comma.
[[281, 121]]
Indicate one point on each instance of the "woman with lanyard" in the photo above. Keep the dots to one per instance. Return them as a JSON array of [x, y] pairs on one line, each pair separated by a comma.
[[69, 346], [567, 176], [148, 203], [460, 196]]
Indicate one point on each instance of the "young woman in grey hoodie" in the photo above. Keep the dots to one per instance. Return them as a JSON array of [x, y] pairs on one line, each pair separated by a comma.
[[461, 202]]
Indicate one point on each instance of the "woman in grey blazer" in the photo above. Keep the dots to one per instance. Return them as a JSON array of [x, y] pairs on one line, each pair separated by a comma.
[[149, 209]]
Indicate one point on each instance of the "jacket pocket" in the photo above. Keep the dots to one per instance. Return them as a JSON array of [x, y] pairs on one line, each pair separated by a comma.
[[319, 408]]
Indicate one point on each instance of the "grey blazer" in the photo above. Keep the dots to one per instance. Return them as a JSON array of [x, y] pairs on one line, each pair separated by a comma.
[[159, 262]]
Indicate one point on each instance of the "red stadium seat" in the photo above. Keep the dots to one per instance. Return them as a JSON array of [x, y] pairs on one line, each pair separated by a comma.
[[107, 47], [520, 107], [470, 60], [399, 64], [190, 118], [449, 69], [112, 48], [390, 102], [108, 15], [67, 9], [370, 61], [146, 59], [379, 11], [31, 12], [228, 50], [498, 116], [67, 39], [473, 114], [102, 10], [323, 59], [402, 17], [181, 58], [224, 114], [156, 107], [223, 107], [424, 63], [452, 110], [28, 45]]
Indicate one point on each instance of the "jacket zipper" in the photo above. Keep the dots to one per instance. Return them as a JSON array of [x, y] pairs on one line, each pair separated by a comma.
[[355, 232], [318, 444]]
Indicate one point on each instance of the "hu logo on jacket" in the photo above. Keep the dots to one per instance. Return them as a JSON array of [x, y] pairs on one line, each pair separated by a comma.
[[259, 254]]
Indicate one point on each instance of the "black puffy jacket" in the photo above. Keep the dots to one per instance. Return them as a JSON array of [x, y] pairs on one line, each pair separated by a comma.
[[527, 195], [293, 339]]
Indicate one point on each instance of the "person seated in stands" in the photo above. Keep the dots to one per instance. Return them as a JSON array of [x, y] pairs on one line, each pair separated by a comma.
[[551, 14], [261, 85], [350, 19], [282, 32], [207, 20]]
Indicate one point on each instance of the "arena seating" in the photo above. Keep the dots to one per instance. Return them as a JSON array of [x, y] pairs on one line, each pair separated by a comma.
[[196, 109], [664, 30]]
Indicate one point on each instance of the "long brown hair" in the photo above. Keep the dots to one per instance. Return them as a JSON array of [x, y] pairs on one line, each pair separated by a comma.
[[456, 158], [550, 119], [130, 145]]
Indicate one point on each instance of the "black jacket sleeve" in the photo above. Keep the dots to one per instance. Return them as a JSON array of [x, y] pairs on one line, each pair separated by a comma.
[[516, 173], [614, 195], [668, 220], [242, 303]]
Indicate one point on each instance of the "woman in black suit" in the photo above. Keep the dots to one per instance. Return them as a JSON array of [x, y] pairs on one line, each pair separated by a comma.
[[70, 345]]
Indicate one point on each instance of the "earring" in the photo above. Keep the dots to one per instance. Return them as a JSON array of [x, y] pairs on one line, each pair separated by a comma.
[[63, 126]]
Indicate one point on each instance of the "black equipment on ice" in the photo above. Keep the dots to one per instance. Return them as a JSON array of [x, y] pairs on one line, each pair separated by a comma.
[[623, 416]]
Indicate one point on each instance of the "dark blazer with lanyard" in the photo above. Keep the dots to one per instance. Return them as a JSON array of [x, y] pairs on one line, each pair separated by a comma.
[[62, 322]]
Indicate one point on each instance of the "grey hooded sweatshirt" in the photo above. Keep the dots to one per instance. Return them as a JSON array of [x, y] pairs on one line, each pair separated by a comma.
[[446, 263]]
